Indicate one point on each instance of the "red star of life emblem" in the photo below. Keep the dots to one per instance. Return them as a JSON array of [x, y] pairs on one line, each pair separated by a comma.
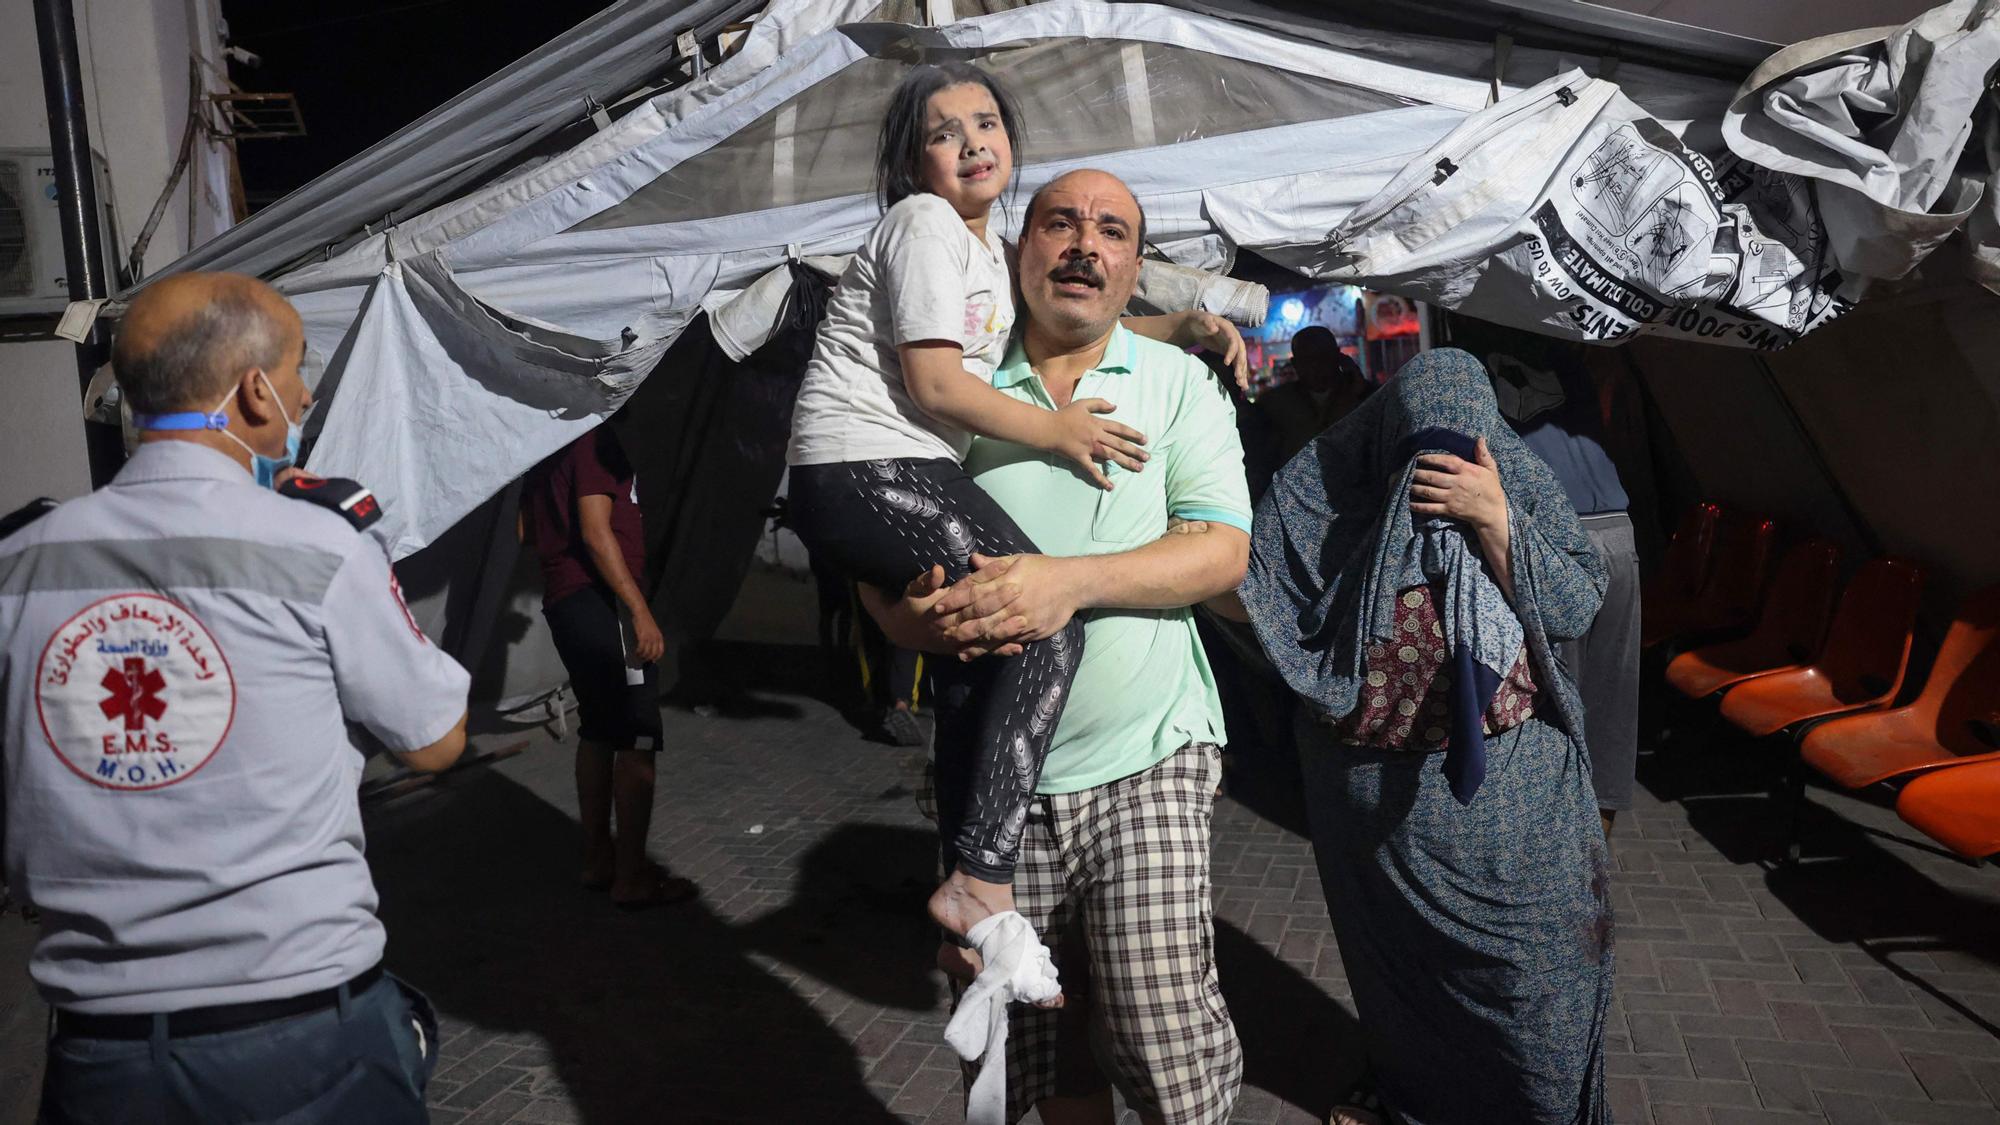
[[134, 693]]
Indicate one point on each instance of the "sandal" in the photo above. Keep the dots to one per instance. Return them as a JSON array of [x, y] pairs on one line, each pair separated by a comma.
[[667, 889], [902, 727], [1361, 1106]]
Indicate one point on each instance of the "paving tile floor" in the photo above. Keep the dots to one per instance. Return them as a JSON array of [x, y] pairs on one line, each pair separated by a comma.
[[1861, 986]]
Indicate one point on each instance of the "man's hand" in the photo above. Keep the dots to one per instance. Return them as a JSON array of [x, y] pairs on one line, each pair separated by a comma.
[[1076, 432], [915, 622], [1199, 329], [1025, 598], [647, 643], [1468, 491]]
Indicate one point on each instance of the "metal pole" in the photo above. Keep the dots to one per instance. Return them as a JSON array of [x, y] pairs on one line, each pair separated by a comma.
[[76, 185]]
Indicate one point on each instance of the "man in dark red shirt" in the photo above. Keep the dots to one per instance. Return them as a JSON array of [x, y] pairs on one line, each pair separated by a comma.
[[580, 509]]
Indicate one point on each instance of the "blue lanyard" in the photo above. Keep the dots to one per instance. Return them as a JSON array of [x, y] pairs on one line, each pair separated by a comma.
[[185, 420]]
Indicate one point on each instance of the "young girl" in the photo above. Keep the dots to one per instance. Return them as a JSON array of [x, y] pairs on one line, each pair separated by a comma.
[[898, 384]]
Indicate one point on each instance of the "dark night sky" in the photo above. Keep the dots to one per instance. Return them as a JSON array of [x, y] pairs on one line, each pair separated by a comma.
[[365, 68]]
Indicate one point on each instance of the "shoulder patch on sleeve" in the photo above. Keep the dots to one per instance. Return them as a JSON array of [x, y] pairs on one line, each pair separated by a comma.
[[350, 500], [25, 514]]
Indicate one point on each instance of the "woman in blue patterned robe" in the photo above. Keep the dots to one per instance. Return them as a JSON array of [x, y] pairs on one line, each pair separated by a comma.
[[1409, 581]]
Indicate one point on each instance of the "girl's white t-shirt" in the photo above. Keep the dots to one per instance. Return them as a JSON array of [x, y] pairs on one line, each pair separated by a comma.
[[922, 275]]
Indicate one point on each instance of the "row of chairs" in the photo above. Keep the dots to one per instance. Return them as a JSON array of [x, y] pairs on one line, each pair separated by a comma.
[[1830, 673]]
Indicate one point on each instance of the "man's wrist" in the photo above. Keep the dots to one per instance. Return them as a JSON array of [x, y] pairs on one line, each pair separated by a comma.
[[1076, 577]]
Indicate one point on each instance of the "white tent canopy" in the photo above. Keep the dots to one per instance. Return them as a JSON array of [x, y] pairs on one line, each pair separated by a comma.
[[505, 305], [467, 342], [528, 309]]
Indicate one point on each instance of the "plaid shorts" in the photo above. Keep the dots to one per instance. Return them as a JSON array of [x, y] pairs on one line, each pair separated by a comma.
[[1116, 881]]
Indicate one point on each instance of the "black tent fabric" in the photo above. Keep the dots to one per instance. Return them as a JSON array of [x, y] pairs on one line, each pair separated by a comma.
[[709, 447]]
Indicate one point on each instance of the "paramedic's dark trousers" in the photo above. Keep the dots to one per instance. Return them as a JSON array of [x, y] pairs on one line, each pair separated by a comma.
[[363, 1058], [884, 523]]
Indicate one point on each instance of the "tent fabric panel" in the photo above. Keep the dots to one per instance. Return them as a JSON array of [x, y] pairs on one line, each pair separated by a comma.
[[1568, 211], [1763, 24], [1881, 123], [1846, 433], [1109, 95], [1350, 146], [443, 401], [630, 172], [505, 224], [1675, 97], [1760, 461], [1903, 401]]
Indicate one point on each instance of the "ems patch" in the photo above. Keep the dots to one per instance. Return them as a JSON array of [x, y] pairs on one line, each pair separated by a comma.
[[134, 693]]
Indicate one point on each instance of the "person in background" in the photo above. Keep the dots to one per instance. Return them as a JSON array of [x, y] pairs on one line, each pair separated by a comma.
[[1327, 384], [186, 658], [1549, 399], [580, 509], [1253, 429], [905, 690]]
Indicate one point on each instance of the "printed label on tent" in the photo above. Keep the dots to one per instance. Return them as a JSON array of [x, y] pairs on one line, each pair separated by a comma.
[[1642, 236], [134, 693]]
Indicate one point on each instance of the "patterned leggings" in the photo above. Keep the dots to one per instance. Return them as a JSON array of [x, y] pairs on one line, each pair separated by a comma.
[[885, 522]]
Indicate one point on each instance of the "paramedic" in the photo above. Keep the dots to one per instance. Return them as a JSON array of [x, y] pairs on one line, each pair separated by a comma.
[[181, 657]]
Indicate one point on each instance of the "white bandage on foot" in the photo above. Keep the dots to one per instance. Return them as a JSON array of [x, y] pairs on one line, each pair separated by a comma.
[[1017, 966]]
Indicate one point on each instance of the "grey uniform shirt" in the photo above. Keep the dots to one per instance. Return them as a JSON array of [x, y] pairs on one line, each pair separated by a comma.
[[181, 654]]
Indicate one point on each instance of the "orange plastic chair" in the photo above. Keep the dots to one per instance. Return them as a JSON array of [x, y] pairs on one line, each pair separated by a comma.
[[1788, 633], [1684, 569], [1741, 562], [1950, 723], [1867, 653], [1958, 807]]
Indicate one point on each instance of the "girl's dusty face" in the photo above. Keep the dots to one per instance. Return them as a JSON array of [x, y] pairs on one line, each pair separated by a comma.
[[968, 156]]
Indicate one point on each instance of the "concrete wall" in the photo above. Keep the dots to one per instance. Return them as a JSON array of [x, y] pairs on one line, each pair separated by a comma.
[[135, 56], [41, 427]]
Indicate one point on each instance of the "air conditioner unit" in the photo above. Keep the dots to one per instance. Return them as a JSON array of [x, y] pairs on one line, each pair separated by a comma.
[[33, 278]]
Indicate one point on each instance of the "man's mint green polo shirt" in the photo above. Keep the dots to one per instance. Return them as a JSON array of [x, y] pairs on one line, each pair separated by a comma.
[[1144, 688]]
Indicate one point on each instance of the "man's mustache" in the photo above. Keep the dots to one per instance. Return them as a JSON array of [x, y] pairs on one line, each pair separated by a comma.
[[1077, 271]]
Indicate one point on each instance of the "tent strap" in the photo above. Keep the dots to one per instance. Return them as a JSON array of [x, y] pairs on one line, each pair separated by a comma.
[[1503, 46]]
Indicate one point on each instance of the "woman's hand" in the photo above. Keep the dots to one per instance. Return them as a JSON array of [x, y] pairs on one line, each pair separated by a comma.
[[1470, 492], [1076, 432], [1467, 491]]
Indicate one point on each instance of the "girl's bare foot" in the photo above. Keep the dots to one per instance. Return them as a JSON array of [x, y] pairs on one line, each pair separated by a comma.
[[1349, 1115], [962, 902], [958, 963], [963, 965]]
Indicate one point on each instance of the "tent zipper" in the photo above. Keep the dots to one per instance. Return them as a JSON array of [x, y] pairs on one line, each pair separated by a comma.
[[1447, 161]]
